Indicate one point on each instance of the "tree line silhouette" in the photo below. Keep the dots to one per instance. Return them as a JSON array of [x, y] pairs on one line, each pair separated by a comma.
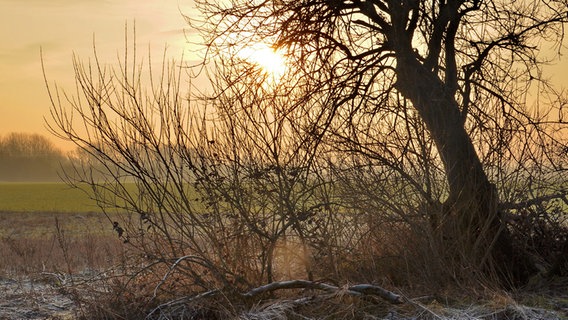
[[28, 157]]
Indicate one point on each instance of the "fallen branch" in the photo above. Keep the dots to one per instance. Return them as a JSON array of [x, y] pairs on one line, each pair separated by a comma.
[[358, 290], [355, 290], [183, 300], [292, 284], [368, 289]]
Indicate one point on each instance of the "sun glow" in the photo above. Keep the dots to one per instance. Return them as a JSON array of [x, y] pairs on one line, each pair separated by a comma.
[[270, 60]]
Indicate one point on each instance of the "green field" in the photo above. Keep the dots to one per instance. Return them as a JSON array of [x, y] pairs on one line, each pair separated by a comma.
[[44, 197]]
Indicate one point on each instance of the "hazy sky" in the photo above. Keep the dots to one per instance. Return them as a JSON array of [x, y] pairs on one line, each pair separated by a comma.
[[64, 27]]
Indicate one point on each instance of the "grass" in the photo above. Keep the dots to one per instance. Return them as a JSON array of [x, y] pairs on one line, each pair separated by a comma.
[[44, 197], [51, 229], [40, 221]]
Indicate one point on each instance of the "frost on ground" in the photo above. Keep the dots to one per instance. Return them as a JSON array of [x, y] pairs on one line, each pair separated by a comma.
[[415, 311], [34, 299], [511, 311], [47, 297]]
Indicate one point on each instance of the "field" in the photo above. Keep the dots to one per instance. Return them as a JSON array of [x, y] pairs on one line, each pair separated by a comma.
[[52, 227], [49, 231], [44, 197]]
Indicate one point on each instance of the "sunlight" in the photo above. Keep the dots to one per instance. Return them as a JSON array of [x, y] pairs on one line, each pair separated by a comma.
[[271, 61]]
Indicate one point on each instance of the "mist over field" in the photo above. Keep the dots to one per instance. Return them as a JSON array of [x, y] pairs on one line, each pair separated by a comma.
[[30, 158]]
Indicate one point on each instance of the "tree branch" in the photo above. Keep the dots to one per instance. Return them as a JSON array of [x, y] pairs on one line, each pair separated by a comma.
[[356, 290], [533, 202]]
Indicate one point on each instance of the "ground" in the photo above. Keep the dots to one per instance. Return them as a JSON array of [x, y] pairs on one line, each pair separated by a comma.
[[38, 298], [46, 296]]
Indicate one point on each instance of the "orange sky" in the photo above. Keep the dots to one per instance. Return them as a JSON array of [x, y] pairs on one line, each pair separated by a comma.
[[64, 27]]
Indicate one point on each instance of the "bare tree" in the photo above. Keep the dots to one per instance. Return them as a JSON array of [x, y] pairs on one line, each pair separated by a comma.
[[456, 74], [395, 119]]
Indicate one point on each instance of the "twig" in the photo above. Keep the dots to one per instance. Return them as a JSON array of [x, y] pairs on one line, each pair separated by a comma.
[[532, 202], [185, 299], [172, 268]]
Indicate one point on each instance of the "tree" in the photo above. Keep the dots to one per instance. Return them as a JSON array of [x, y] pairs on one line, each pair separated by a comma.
[[29, 157], [462, 69], [217, 196], [399, 126]]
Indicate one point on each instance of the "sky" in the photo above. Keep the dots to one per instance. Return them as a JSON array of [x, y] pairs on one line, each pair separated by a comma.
[[62, 28]]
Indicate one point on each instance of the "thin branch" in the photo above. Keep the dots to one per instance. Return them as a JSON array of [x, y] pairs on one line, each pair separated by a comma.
[[534, 202]]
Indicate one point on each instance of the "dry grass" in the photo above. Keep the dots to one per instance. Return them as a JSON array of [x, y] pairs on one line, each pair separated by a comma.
[[50, 246], [56, 242], [48, 260]]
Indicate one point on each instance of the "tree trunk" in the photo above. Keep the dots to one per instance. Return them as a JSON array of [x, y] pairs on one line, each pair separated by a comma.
[[470, 221]]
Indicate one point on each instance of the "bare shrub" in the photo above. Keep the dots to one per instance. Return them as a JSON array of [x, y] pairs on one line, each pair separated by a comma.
[[340, 171], [224, 194]]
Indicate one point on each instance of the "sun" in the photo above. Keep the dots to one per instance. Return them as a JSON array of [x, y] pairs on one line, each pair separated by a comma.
[[270, 60]]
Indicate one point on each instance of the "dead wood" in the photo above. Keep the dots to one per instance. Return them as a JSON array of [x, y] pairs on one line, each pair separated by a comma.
[[356, 290]]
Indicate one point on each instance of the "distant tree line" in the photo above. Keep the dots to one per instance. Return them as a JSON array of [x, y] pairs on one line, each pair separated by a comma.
[[30, 157]]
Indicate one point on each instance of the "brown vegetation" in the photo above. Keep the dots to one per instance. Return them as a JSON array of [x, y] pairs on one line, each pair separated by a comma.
[[365, 168], [67, 243]]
